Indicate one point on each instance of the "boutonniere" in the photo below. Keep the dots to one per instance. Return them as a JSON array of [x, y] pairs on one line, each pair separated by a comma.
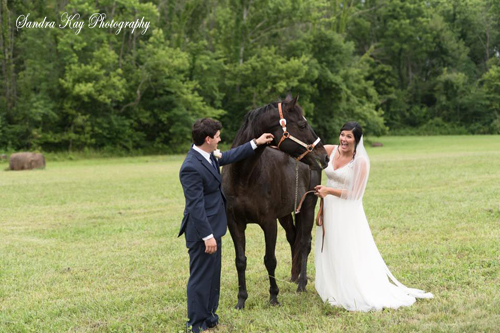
[[217, 153]]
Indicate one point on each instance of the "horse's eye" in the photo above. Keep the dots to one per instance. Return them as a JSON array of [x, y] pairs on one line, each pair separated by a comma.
[[302, 124]]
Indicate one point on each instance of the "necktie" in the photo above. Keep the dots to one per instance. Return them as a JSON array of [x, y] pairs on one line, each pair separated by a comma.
[[213, 163]]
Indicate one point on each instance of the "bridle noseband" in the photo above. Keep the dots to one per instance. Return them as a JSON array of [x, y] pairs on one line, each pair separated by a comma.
[[287, 135]]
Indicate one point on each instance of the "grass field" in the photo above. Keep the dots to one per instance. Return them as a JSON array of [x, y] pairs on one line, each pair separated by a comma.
[[90, 246]]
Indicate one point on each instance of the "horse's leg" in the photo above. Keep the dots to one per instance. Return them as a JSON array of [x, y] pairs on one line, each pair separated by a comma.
[[270, 229], [291, 234], [237, 231], [304, 223], [297, 250]]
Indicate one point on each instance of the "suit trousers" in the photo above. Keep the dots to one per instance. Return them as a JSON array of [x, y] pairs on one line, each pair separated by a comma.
[[203, 287]]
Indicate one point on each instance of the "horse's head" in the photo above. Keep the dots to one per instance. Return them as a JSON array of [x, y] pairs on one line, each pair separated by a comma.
[[295, 136]]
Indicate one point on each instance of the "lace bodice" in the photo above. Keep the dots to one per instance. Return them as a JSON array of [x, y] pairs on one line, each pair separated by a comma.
[[340, 178]]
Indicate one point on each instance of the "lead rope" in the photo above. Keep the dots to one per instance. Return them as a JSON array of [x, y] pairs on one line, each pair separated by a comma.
[[319, 217], [296, 188]]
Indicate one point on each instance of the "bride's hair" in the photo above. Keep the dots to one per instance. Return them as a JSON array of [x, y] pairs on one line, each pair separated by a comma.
[[356, 129]]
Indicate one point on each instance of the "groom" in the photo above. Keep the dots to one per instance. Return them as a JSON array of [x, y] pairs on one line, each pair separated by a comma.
[[204, 221]]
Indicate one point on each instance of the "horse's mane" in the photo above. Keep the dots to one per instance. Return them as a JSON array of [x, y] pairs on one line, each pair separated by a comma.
[[251, 128]]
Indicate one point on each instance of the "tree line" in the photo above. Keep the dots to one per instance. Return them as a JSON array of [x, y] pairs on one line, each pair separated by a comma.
[[396, 66]]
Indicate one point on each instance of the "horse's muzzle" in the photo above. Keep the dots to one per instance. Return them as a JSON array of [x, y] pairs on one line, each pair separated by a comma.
[[322, 161]]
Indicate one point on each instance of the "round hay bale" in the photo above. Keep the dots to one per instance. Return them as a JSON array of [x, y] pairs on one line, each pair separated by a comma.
[[26, 161], [377, 144]]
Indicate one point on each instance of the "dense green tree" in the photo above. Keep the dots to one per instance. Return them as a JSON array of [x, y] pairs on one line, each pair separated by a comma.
[[169, 100], [343, 92], [396, 66], [491, 87]]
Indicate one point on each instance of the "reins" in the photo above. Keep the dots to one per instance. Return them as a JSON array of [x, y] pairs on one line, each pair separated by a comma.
[[319, 216]]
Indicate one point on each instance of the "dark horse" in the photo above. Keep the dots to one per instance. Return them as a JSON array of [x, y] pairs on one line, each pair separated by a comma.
[[262, 188]]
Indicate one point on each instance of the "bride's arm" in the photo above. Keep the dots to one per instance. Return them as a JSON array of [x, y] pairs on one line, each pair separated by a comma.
[[356, 190], [329, 149]]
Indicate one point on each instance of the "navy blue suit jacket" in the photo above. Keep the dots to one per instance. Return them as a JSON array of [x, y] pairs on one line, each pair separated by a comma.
[[205, 211]]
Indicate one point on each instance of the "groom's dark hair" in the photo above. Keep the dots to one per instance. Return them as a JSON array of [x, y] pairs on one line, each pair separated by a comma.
[[203, 128]]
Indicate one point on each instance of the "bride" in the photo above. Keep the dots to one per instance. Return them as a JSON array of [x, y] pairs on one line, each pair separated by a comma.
[[350, 271]]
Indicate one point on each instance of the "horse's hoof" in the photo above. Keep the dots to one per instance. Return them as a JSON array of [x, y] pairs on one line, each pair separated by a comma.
[[240, 305], [274, 302], [301, 289]]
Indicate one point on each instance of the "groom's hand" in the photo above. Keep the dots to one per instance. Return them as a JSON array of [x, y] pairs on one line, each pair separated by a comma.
[[265, 138], [210, 245]]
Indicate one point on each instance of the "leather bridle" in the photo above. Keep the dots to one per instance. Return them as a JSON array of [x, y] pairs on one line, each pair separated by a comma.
[[287, 135]]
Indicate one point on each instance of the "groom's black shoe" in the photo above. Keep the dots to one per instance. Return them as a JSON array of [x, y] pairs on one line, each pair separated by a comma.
[[213, 325], [190, 329], [212, 321]]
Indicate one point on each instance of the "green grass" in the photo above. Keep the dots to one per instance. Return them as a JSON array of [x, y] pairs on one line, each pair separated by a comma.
[[91, 246]]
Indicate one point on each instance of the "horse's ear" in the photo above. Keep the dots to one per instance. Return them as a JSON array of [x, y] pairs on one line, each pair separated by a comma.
[[292, 102]]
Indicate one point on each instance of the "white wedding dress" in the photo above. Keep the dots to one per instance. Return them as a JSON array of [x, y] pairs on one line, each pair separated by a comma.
[[350, 271]]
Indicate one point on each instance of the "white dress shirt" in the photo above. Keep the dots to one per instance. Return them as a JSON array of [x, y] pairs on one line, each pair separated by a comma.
[[203, 153]]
